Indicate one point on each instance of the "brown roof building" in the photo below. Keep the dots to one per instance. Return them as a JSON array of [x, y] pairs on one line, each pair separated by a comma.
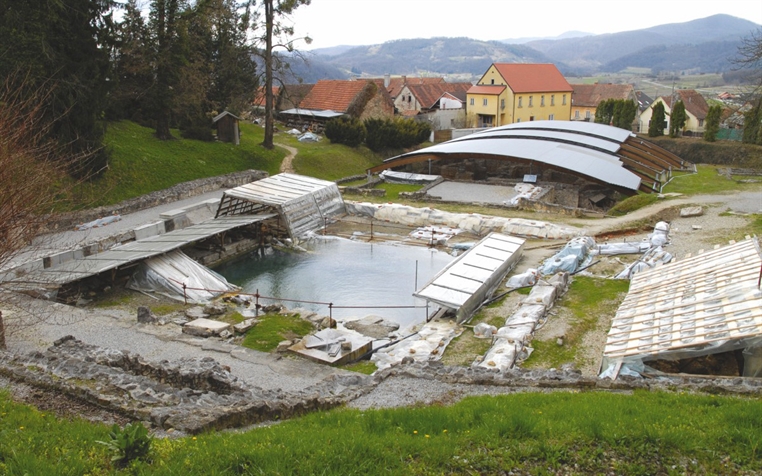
[[586, 97]]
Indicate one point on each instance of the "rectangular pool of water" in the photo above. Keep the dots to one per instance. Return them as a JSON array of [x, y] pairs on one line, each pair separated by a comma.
[[359, 278]]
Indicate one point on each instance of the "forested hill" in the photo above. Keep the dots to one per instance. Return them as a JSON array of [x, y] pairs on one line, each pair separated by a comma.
[[704, 45], [440, 55]]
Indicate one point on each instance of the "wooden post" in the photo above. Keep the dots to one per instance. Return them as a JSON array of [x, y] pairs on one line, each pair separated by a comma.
[[2, 331]]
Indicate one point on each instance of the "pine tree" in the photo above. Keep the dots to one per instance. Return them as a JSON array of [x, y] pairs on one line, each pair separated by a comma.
[[712, 123], [677, 119], [656, 126], [64, 46]]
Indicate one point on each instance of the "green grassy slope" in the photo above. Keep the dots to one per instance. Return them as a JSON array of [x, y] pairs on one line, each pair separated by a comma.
[[140, 163]]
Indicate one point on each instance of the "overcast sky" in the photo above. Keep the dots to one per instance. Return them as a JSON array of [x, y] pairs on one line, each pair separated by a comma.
[[368, 22]]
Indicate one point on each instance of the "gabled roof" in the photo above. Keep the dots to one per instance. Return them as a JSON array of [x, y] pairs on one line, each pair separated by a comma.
[[396, 84], [223, 114], [590, 95], [644, 100], [428, 94], [486, 89], [693, 100], [532, 78], [332, 94], [293, 94]]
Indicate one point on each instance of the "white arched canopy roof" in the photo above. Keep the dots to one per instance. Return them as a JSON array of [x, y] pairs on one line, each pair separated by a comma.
[[601, 153]]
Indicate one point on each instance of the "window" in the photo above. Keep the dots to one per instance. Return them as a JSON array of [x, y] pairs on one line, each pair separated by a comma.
[[531, 118], [502, 104], [701, 123], [518, 119], [520, 98], [472, 101], [492, 81], [551, 117], [552, 99], [542, 100], [587, 114], [576, 114], [409, 98], [564, 100], [484, 102], [530, 101]]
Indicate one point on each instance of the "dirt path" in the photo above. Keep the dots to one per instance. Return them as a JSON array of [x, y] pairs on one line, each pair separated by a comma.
[[286, 166]]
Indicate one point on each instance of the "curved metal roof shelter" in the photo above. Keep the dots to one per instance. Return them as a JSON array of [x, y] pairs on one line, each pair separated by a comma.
[[604, 154]]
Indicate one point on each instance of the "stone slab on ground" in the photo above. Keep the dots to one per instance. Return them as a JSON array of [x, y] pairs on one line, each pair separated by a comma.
[[205, 327]]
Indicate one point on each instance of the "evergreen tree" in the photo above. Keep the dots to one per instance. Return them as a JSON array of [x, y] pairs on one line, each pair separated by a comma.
[[167, 59], [677, 119], [64, 46], [133, 72], [656, 126], [712, 123], [604, 113], [752, 124], [627, 114]]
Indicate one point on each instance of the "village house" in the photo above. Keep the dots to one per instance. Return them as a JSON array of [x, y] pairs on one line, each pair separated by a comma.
[[696, 108], [586, 97], [518, 92], [327, 99]]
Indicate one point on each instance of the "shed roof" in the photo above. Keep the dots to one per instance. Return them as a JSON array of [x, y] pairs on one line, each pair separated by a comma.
[[691, 307], [600, 153], [223, 114], [428, 94]]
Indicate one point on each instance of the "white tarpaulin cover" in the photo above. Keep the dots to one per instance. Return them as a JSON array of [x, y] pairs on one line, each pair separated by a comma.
[[166, 274]]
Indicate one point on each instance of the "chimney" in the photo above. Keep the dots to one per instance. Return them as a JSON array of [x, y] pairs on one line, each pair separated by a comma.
[[387, 80], [404, 80]]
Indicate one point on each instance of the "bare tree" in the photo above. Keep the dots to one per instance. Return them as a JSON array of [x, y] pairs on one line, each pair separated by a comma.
[[277, 35], [30, 167]]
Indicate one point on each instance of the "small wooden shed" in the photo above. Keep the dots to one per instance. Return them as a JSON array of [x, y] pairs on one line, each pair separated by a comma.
[[227, 127]]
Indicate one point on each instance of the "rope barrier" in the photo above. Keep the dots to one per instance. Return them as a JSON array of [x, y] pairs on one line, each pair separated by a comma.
[[301, 301]]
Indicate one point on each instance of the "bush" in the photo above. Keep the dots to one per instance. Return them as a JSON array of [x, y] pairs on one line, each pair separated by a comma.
[[395, 134], [203, 133], [128, 444], [345, 130]]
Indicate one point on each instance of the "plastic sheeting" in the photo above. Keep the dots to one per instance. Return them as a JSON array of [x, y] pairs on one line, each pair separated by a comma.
[[99, 222], [651, 258], [525, 190], [166, 274], [510, 343], [570, 257], [522, 280], [469, 222]]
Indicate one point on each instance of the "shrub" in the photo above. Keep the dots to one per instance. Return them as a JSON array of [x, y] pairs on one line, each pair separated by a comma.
[[395, 134], [128, 444], [203, 133], [345, 130]]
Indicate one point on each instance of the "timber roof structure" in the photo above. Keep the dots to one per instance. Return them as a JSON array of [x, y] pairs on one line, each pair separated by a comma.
[[599, 153]]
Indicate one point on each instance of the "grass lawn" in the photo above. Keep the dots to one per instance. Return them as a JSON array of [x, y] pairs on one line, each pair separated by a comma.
[[141, 164], [329, 161], [555, 433]]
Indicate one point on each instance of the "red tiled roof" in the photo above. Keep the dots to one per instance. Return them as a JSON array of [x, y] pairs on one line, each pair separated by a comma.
[[532, 78], [486, 89], [292, 94], [398, 82], [259, 97], [332, 94], [590, 95], [693, 100], [428, 94]]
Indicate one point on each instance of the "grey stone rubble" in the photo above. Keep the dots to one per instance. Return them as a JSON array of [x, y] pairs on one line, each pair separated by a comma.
[[190, 395]]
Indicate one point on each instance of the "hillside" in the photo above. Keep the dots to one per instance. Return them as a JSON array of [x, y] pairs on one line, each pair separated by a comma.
[[701, 46], [443, 56], [591, 52]]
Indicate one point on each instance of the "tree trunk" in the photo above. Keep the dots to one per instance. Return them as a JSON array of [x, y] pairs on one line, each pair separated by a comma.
[[269, 116], [2, 332], [165, 27]]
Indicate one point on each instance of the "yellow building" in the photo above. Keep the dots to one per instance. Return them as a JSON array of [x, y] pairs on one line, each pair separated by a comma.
[[518, 92]]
